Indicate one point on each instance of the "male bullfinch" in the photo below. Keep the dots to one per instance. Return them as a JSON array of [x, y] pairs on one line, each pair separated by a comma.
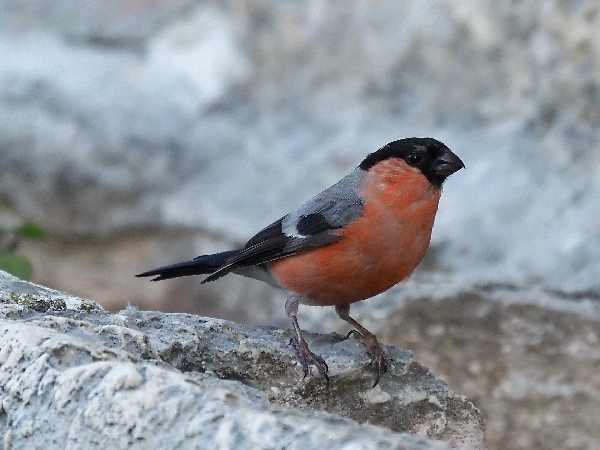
[[354, 240]]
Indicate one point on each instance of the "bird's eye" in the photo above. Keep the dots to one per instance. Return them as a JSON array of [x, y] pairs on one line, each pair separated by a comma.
[[414, 158]]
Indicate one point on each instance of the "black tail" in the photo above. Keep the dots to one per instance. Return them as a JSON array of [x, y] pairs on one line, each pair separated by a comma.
[[200, 265]]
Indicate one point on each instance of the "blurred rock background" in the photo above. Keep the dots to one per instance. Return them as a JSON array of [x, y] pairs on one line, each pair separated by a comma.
[[139, 133]]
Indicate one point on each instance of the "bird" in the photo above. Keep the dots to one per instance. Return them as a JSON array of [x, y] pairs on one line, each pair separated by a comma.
[[354, 240]]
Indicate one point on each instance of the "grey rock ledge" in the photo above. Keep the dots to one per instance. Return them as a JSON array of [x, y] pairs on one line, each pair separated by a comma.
[[75, 376]]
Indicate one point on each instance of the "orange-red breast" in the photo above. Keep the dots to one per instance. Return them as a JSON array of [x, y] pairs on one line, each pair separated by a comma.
[[354, 240]]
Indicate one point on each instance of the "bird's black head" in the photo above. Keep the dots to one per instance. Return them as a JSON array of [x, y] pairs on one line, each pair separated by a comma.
[[430, 156]]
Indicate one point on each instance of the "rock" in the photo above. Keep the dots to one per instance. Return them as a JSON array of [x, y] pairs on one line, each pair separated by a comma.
[[101, 23], [78, 376]]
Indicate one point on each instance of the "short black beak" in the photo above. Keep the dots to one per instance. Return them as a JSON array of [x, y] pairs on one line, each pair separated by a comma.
[[446, 164]]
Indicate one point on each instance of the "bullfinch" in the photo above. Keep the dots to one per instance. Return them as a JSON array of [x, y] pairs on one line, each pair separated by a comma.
[[354, 240]]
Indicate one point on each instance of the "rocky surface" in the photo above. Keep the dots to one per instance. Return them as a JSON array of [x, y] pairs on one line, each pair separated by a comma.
[[73, 375]]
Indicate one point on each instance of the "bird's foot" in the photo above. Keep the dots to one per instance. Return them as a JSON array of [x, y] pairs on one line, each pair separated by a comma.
[[374, 350], [307, 357]]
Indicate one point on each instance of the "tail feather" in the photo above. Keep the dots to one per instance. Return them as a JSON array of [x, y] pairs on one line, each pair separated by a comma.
[[204, 264]]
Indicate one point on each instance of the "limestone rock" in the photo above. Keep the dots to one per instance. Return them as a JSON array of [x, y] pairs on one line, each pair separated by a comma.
[[77, 376]]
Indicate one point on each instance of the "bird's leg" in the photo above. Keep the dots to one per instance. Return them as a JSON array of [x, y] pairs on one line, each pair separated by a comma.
[[368, 339], [304, 354]]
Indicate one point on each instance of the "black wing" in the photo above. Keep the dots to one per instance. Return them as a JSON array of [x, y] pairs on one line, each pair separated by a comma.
[[272, 243]]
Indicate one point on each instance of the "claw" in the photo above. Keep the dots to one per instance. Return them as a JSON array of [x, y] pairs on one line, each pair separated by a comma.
[[307, 357], [378, 358], [350, 333], [368, 339], [374, 350]]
